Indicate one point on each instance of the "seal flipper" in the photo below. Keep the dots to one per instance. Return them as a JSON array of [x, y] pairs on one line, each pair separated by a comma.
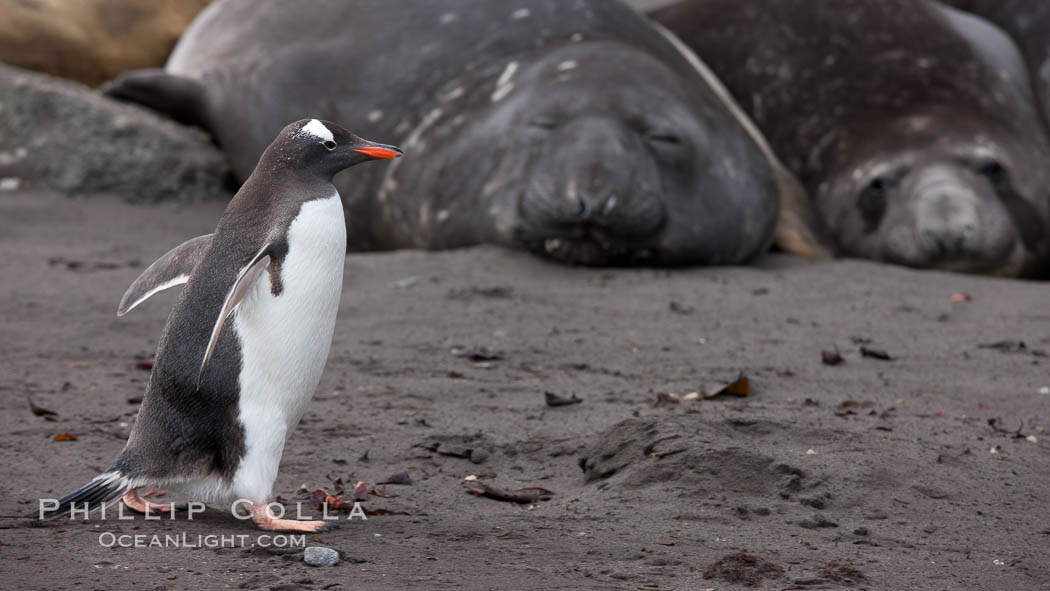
[[172, 269], [245, 279], [799, 230], [177, 97]]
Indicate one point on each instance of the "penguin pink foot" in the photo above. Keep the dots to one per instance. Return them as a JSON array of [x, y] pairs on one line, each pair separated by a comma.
[[265, 519], [137, 504]]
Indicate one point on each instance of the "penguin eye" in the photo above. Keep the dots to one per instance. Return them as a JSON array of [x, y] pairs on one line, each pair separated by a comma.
[[329, 145]]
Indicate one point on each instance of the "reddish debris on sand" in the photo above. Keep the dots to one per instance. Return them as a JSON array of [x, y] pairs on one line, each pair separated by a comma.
[[831, 357], [743, 568], [842, 572], [335, 503], [961, 297], [360, 492], [65, 437]]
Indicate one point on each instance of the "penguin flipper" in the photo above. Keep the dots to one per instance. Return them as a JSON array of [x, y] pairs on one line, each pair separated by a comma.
[[174, 268], [178, 97], [245, 279]]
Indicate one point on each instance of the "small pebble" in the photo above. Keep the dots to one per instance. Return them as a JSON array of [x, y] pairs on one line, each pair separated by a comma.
[[320, 556], [10, 183]]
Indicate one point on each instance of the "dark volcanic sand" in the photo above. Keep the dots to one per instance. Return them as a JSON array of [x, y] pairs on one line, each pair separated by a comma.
[[899, 491]]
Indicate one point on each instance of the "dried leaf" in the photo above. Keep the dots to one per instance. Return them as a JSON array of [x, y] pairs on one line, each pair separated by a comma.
[[405, 283], [39, 411], [399, 477], [469, 293], [680, 308], [476, 353], [522, 495], [335, 503], [555, 400], [383, 512], [665, 398], [874, 353], [360, 492], [1007, 346], [736, 384]]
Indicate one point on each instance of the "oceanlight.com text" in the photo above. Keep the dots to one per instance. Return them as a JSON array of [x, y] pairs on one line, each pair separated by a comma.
[[184, 540]]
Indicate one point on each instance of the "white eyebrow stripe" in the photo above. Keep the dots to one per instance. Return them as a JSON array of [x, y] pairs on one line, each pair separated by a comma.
[[318, 130]]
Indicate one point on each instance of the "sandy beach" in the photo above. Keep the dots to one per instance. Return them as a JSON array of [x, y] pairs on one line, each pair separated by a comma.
[[926, 471]]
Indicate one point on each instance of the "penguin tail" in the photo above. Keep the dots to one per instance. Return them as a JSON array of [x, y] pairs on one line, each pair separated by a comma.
[[81, 502]]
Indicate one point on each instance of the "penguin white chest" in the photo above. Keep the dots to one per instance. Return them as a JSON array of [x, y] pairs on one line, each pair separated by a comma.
[[285, 339]]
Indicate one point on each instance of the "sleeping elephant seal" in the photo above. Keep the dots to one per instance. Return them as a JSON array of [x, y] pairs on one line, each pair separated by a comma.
[[1028, 22], [571, 128], [912, 126], [92, 41]]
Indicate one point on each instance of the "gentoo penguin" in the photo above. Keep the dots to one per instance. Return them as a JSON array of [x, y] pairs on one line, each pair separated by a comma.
[[245, 344]]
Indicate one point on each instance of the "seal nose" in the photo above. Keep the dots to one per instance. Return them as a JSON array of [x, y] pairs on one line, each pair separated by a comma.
[[948, 221], [598, 197], [591, 209]]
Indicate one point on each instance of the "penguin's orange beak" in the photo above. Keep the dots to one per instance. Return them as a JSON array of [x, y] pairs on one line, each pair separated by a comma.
[[380, 151]]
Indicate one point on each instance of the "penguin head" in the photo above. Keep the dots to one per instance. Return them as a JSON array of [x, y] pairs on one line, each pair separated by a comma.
[[324, 148]]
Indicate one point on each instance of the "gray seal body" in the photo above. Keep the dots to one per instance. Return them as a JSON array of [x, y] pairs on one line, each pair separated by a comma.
[[1028, 23], [912, 126], [602, 144]]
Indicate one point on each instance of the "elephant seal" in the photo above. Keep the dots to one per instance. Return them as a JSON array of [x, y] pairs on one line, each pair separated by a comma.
[[602, 143], [911, 125], [1028, 22], [91, 41]]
